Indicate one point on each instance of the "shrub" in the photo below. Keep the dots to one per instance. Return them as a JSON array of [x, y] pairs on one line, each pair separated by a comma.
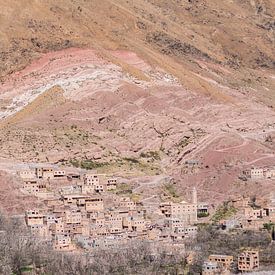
[[203, 215]]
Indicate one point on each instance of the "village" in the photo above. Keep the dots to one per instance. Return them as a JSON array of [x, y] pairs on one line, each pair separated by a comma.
[[83, 210], [257, 173]]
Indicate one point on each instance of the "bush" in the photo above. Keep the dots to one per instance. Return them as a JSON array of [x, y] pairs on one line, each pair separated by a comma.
[[269, 226], [169, 188], [223, 212], [150, 154], [203, 215]]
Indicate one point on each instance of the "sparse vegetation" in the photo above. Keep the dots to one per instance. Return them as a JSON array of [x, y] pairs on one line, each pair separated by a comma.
[[127, 163], [223, 212], [170, 189], [21, 253], [203, 215], [124, 189], [269, 226], [135, 197], [87, 164], [184, 142], [150, 154], [210, 240]]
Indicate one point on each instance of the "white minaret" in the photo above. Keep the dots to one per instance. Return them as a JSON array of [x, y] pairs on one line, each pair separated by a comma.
[[194, 196], [272, 198]]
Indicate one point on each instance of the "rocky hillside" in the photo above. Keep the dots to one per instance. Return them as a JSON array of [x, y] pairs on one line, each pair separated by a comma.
[[140, 85], [177, 36]]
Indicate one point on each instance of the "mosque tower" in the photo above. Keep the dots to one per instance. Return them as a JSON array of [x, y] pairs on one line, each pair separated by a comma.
[[194, 196]]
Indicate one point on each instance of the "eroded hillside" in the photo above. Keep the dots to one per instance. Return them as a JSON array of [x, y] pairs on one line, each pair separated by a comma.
[[178, 36], [140, 86]]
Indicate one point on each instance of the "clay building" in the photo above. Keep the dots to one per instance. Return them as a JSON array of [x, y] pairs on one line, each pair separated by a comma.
[[59, 174], [224, 260], [183, 211], [73, 216], [94, 204], [111, 184], [254, 173], [248, 260], [27, 174], [254, 214], [134, 223], [44, 172], [63, 242], [213, 268], [127, 203], [34, 217]]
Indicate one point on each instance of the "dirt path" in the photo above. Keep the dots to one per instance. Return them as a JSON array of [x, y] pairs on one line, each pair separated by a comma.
[[156, 182], [244, 143]]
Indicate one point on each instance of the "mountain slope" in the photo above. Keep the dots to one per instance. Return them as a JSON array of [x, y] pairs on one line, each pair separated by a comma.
[[144, 86], [174, 35]]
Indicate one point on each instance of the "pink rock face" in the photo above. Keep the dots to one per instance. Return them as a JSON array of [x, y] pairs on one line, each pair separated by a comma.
[[131, 58], [130, 116], [80, 72]]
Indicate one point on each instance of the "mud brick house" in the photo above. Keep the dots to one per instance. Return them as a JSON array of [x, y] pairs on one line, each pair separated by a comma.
[[74, 199], [254, 173], [59, 174], [186, 231], [63, 242], [224, 260], [31, 186], [173, 223], [49, 219], [254, 214], [241, 202], [34, 217], [27, 174], [183, 211], [86, 189], [111, 184], [98, 219], [134, 223], [40, 230], [76, 229], [214, 268], [73, 176], [248, 260], [36, 187], [94, 183], [108, 223], [71, 189], [73, 216], [99, 188], [91, 179], [210, 268], [44, 172], [270, 210], [127, 203], [114, 222], [57, 228], [270, 173], [53, 203], [191, 166], [96, 230], [94, 204], [101, 242]]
